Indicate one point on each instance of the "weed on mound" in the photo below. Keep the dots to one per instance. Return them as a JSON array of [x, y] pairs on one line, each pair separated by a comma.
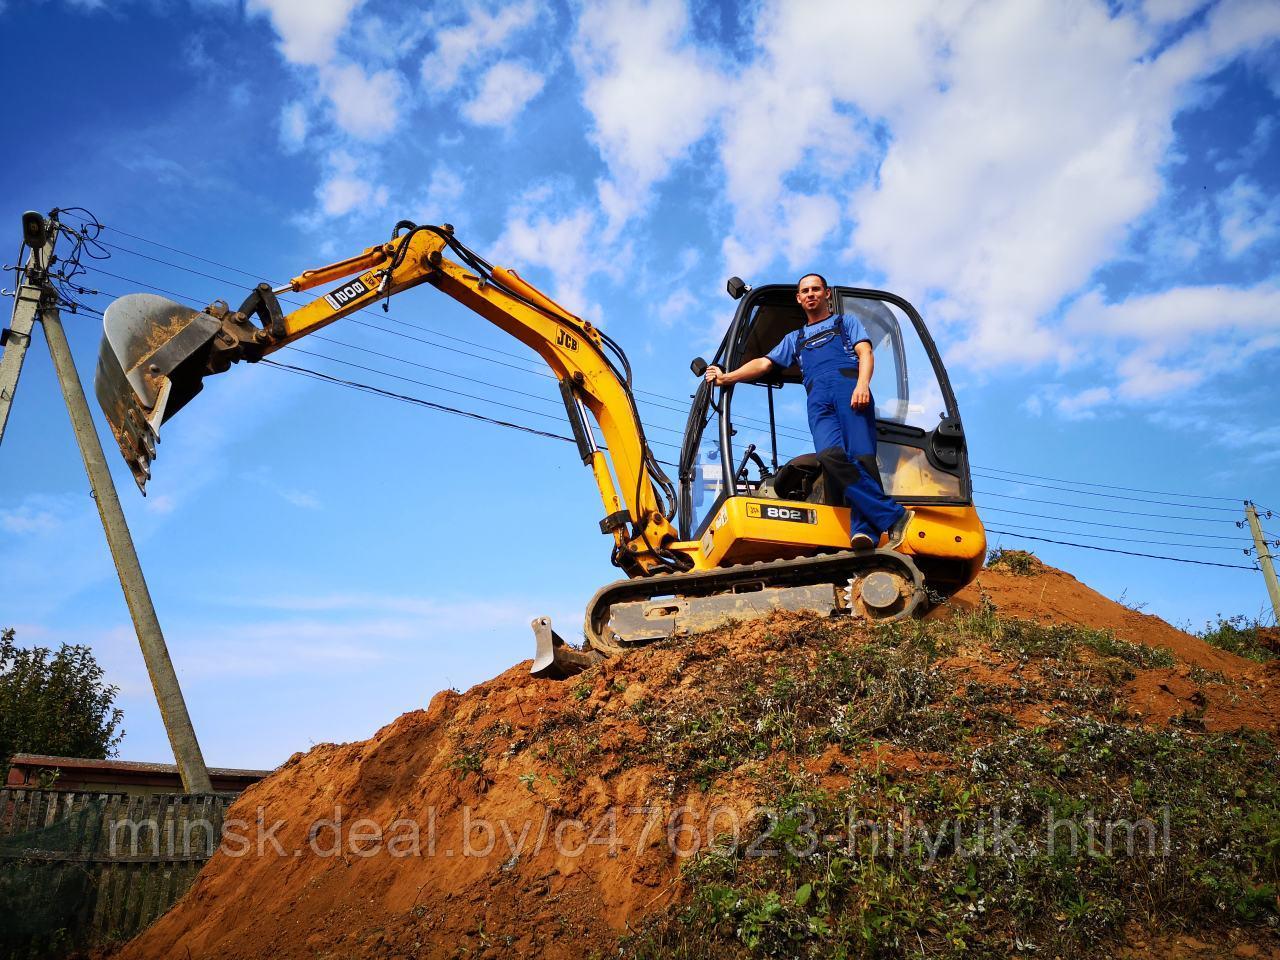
[[1021, 563], [975, 787]]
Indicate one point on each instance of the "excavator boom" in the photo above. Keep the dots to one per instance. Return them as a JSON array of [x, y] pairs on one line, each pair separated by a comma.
[[156, 353]]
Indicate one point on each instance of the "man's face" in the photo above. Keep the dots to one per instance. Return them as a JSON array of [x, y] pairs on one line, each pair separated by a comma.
[[812, 295]]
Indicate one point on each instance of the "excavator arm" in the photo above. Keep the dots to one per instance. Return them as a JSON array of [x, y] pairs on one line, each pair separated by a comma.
[[155, 354]]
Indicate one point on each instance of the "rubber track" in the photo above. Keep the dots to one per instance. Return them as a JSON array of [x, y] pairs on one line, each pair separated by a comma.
[[828, 568]]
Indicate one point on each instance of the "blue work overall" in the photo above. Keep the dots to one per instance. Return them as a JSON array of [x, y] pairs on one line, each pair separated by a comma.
[[844, 437]]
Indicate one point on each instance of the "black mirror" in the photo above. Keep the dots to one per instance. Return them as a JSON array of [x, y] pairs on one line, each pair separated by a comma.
[[736, 287], [699, 366], [34, 233]]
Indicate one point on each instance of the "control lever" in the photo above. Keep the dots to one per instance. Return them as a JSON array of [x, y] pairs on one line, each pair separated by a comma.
[[750, 454]]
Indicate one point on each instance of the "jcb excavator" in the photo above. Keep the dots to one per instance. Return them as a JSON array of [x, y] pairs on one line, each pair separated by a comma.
[[737, 535]]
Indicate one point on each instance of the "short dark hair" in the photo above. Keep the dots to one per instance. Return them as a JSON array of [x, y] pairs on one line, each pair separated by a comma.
[[825, 285]]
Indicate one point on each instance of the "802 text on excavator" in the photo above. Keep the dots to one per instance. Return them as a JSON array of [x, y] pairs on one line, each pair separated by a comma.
[[720, 544]]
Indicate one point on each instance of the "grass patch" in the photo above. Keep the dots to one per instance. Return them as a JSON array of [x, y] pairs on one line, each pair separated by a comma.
[[1013, 840], [1047, 841], [1022, 563], [1243, 637]]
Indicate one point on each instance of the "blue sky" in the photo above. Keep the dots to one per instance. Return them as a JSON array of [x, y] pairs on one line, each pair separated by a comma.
[[1081, 198]]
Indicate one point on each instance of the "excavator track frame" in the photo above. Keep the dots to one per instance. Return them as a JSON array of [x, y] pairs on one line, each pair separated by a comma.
[[846, 574]]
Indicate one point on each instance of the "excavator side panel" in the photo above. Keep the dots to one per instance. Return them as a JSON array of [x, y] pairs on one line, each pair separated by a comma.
[[747, 529]]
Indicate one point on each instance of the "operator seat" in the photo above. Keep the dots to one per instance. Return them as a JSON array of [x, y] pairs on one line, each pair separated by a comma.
[[802, 478]]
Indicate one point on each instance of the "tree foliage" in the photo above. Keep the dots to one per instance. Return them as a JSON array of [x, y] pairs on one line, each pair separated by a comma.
[[55, 703]]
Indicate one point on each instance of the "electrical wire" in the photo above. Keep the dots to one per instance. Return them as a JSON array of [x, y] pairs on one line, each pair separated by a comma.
[[1128, 553], [783, 431], [1055, 483], [418, 401], [349, 346], [1093, 509], [547, 400], [1111, 496], [406, 398], [1155, 543], [1114, 526], [1107, 486], [246, 273]]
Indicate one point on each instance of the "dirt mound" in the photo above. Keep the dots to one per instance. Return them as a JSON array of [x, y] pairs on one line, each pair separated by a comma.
[[552, 819], [1050, 595], [1221, 690], [1269, 638]]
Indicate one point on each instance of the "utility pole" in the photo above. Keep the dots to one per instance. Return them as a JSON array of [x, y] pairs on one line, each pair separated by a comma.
[[36, 298], [1264, 557]]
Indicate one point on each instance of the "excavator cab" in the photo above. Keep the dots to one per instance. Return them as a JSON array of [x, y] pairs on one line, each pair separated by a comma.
[[749, 443]]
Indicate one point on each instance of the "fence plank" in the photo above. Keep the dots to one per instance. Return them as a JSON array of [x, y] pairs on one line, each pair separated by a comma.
[[134, 872]]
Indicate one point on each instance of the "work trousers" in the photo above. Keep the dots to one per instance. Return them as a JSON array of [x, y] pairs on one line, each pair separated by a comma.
[[845, 440]]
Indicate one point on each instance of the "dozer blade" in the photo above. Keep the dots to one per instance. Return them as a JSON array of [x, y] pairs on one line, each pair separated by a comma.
[[554, 659], [153, 356]]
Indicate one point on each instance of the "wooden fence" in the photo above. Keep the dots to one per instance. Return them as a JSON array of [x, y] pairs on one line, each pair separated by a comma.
[[79, 870]]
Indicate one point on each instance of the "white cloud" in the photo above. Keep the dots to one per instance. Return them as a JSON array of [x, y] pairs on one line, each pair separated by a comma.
[[1004, 189], [650, 92], [1263, 132], [51, 547], [366, 102], [461, 47], [1249, 216], [442, 197], [347, 188], [1178, 338], [985, 160], [675, 308], [293, 126], [566, 246], [1180, 233], [365, 105], [1081, 405], [302, 499], [308, 29], [503, 92], [36, 515], [345, 631], [1170, 11]]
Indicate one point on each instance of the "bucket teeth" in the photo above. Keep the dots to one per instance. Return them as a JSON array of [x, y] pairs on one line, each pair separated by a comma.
[[125, 415]]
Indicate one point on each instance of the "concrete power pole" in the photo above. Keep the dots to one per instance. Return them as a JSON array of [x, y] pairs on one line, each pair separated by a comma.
[[36, 298], [1264, 557]]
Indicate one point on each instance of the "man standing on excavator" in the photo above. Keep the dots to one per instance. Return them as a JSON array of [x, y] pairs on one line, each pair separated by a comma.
[[834, 353]]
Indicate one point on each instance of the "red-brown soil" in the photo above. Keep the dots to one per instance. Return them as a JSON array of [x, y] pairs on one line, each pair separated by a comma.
[[504, 755], [1220, 690]]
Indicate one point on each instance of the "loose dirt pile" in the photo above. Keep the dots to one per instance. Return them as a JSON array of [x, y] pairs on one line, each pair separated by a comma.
[[570, 819]]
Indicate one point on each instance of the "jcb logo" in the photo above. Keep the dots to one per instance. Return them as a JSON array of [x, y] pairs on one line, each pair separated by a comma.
[[566, 340]]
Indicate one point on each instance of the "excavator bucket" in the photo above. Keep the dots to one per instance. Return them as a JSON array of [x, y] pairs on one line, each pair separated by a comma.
[[153, 357]]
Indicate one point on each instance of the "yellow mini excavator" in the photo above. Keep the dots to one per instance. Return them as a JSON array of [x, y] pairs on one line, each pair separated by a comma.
[[748, 527]]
